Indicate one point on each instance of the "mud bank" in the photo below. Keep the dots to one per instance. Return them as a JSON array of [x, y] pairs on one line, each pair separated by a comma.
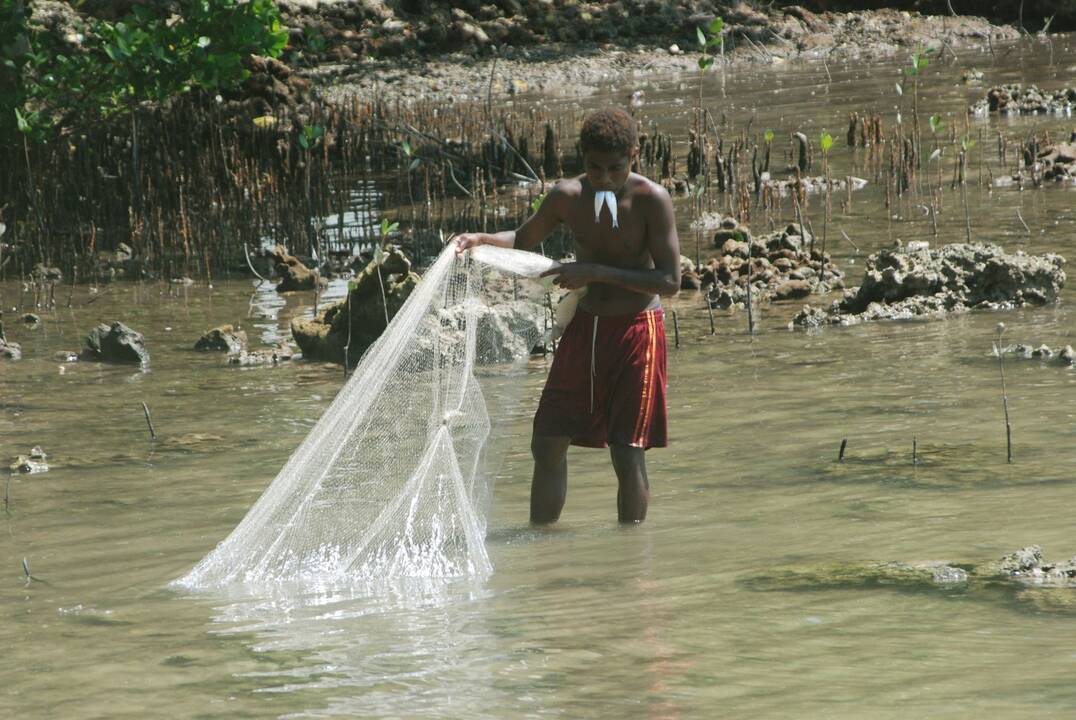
[[570, 59]]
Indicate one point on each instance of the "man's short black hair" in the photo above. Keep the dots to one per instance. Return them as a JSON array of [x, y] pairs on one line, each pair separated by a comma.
[[608, 130]]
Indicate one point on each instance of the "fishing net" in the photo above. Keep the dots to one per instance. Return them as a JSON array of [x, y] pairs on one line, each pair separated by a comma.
[[393, 480]]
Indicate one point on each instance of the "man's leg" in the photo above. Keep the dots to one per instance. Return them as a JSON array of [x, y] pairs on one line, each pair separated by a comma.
[[549, 486], [633, 494]]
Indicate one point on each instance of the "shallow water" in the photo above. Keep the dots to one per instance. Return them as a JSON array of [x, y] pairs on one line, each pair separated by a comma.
[[585, 619]]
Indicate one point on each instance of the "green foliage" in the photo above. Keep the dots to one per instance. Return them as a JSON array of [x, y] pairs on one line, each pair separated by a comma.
[[966, 143], [919, 61], [537, 203], [310, 136], [825, 141], [936, 123], [768, 136], [146, 56], [386, 229], [710, 37]]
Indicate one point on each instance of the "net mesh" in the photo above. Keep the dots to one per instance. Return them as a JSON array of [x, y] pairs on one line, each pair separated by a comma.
[[393, 480]]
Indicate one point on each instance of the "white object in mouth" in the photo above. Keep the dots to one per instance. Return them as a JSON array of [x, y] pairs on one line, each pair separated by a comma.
[[606, 197]]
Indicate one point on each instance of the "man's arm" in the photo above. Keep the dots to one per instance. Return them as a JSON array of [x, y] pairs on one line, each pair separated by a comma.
[[537, 228], [664, 246]]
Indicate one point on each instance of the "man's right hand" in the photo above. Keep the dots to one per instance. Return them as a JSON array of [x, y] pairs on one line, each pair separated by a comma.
[[466, 241]]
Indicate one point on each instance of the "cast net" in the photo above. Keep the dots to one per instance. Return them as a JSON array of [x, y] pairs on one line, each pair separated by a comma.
[[393, 480]]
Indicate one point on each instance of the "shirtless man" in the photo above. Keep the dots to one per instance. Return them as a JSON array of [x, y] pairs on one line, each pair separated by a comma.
[[607, 383]]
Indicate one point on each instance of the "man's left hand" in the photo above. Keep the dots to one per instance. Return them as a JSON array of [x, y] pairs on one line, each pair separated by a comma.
[[572, 276]]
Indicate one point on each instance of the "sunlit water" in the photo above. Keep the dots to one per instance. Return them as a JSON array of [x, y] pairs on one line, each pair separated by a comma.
[[585, 619]]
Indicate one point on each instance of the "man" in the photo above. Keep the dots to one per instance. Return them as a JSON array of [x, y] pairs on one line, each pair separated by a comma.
[[607, 383]]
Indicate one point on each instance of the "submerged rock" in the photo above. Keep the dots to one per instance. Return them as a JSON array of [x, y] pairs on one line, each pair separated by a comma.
[[813, 184], [1064, 356], [9, 350], [29, 465], [224, 338], [954, 278], [1023, 574], [116, 343], [325, 336], [274, 356]]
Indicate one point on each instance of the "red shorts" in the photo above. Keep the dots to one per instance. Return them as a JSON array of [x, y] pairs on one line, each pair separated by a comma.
[[607, 383]]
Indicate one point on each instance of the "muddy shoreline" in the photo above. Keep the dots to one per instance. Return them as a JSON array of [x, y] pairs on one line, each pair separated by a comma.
[[577, 69]]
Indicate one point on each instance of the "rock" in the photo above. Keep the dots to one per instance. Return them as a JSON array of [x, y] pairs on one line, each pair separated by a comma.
[[1042, 351], [29, 465], [1067, 356], [948, 575], [1016, 99], [116, 343], [31, 319], [781, 266], [953, 278], [222, 339], [325, 336], [275, 356], [506, 331], [294, 275], [65, 356], [733, 247], [10, 350], [690, 281], [792, 289], [37, 453], [674, 49], [1020, 562]]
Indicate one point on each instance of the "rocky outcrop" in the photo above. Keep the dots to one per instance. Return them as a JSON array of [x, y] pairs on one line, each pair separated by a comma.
[[116, 343], [222, 339], [324, 337], [954, 278], [783, 266], [1017, 99], [293, 274]]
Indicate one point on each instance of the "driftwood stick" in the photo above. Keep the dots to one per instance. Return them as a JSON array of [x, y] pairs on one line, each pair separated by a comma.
[[149, 421]]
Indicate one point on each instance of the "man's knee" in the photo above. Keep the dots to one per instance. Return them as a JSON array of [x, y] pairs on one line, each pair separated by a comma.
[[549, 451], [626, 457]]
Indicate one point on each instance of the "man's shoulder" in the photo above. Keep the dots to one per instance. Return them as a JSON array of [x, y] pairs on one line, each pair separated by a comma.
[[570, 187], [646, 190]]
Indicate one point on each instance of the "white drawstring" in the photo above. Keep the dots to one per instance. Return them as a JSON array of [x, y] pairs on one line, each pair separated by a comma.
[[593, 362]]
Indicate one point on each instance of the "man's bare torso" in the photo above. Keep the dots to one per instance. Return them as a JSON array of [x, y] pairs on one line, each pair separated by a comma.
[[626, 247]]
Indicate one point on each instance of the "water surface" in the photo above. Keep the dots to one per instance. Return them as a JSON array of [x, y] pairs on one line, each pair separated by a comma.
[[585, 619]]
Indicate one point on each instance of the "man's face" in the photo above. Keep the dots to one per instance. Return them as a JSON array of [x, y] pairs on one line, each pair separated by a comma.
[[606, 171]]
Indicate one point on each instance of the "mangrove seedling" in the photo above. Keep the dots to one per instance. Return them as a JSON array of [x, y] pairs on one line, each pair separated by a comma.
[[1004, 395], [380, 255], [825, 142], [710, 37]]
